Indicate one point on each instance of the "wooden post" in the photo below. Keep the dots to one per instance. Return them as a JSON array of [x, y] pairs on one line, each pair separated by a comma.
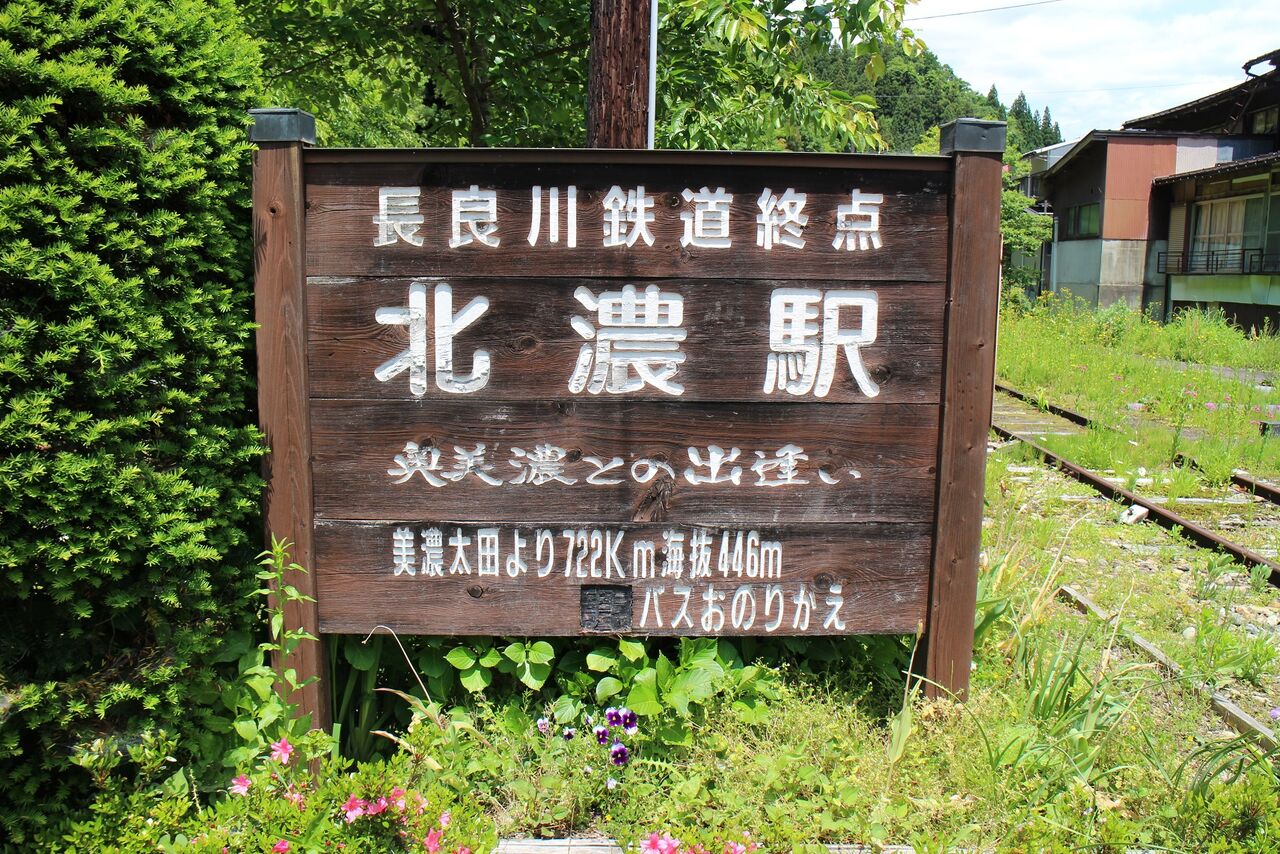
[[279, 279], [973, 298], [618, 85]]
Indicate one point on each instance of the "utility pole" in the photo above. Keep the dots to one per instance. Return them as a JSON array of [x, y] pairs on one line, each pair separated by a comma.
[[619, 76]]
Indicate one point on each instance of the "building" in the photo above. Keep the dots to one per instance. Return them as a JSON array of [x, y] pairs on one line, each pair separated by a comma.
[[1174, 209], [1223, 224]]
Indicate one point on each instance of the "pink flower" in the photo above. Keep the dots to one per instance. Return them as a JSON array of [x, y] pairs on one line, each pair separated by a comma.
[[735, 848], [462, 849], [1210, 406], [664, 844], [240, 785], [293, 797], [378, 806], [432, 842], [281, 751], [445, 819], [354, 808], [397, 797], [280, 847]]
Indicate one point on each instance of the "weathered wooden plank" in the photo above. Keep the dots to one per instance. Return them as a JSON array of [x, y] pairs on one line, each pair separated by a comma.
[[666, 158], [342, 203], [968, 385], [882, 459], [533, 348], [822, 579], [280, 307]]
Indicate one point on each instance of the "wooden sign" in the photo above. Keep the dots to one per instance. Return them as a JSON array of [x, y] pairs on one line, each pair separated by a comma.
[[659, 393]]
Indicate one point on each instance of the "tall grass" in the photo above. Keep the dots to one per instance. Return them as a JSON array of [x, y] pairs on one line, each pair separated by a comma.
[[1112, 365]]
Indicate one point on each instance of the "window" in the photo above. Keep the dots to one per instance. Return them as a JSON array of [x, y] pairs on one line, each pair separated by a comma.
[[1271, 260], [1081, 221], [1228, 225], [1227, 235], [1265, 121]]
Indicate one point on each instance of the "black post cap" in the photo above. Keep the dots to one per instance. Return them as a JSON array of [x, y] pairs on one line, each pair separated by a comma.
[[980, 135], [282, 124]]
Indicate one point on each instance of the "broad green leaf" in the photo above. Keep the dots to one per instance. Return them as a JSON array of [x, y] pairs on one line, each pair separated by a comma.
[[476, 679], [361, 656], [677, 734], [541, 652], [643, 696], [260, 685], [565, 709], [607, 687], [515, 652], [631, 650], [665, 670], [432, 663], [602, 659], [490, 657], [534, 675], [697, 683], [461, 657], [246, 728]]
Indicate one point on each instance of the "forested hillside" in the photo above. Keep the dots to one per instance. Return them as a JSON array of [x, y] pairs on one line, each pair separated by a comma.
[[917, 92]]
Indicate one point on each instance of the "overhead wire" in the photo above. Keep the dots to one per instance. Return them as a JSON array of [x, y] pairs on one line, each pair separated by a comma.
[[981, 11]]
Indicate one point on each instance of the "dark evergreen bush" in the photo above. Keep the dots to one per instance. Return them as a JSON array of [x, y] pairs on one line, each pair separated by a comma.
[[127, 485]]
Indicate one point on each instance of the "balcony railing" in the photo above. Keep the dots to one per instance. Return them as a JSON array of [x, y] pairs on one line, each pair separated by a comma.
[[1218, 261]]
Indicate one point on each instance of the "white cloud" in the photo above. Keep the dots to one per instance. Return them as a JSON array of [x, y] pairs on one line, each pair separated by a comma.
[[1097, 63]]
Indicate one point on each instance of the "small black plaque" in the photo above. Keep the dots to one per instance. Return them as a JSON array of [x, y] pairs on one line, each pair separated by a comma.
[[606, 608]]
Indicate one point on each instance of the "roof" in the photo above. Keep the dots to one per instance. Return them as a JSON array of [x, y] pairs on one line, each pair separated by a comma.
[[1212, 109], [1102, 136], [1248, 164]]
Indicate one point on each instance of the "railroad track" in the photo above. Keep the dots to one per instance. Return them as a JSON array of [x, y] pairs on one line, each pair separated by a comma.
[[1023, 425], [1260, 488], [1159, 513]]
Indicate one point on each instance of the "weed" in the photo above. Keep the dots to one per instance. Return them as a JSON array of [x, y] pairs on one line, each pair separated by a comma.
[[1259, 578]]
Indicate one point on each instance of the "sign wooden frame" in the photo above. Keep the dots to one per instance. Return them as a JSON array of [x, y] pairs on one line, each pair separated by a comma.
[[911, 557]]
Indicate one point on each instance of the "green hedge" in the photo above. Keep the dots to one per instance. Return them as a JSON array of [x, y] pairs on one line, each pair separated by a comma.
[[128, 492]]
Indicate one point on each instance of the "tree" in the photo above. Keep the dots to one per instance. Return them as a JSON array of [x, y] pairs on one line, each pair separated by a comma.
[[1049, 132], [993, 104], [1023, 121], [731, 74], [915, 92], [128, 463]]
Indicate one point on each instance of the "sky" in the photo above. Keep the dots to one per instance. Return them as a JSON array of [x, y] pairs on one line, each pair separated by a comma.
[[1097, 63]]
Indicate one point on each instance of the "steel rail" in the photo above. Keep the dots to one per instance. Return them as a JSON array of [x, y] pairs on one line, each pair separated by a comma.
[[1260, 488], [1162, 516], [1235, 717], [1060, 411]]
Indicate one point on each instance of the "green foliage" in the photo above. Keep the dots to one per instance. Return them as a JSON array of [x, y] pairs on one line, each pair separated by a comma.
[[391, 72], [915, 94], [1022, 229], [740, 74], [391, 805], [730, 74], [1030, 130], [126, 451], [245, 714]]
